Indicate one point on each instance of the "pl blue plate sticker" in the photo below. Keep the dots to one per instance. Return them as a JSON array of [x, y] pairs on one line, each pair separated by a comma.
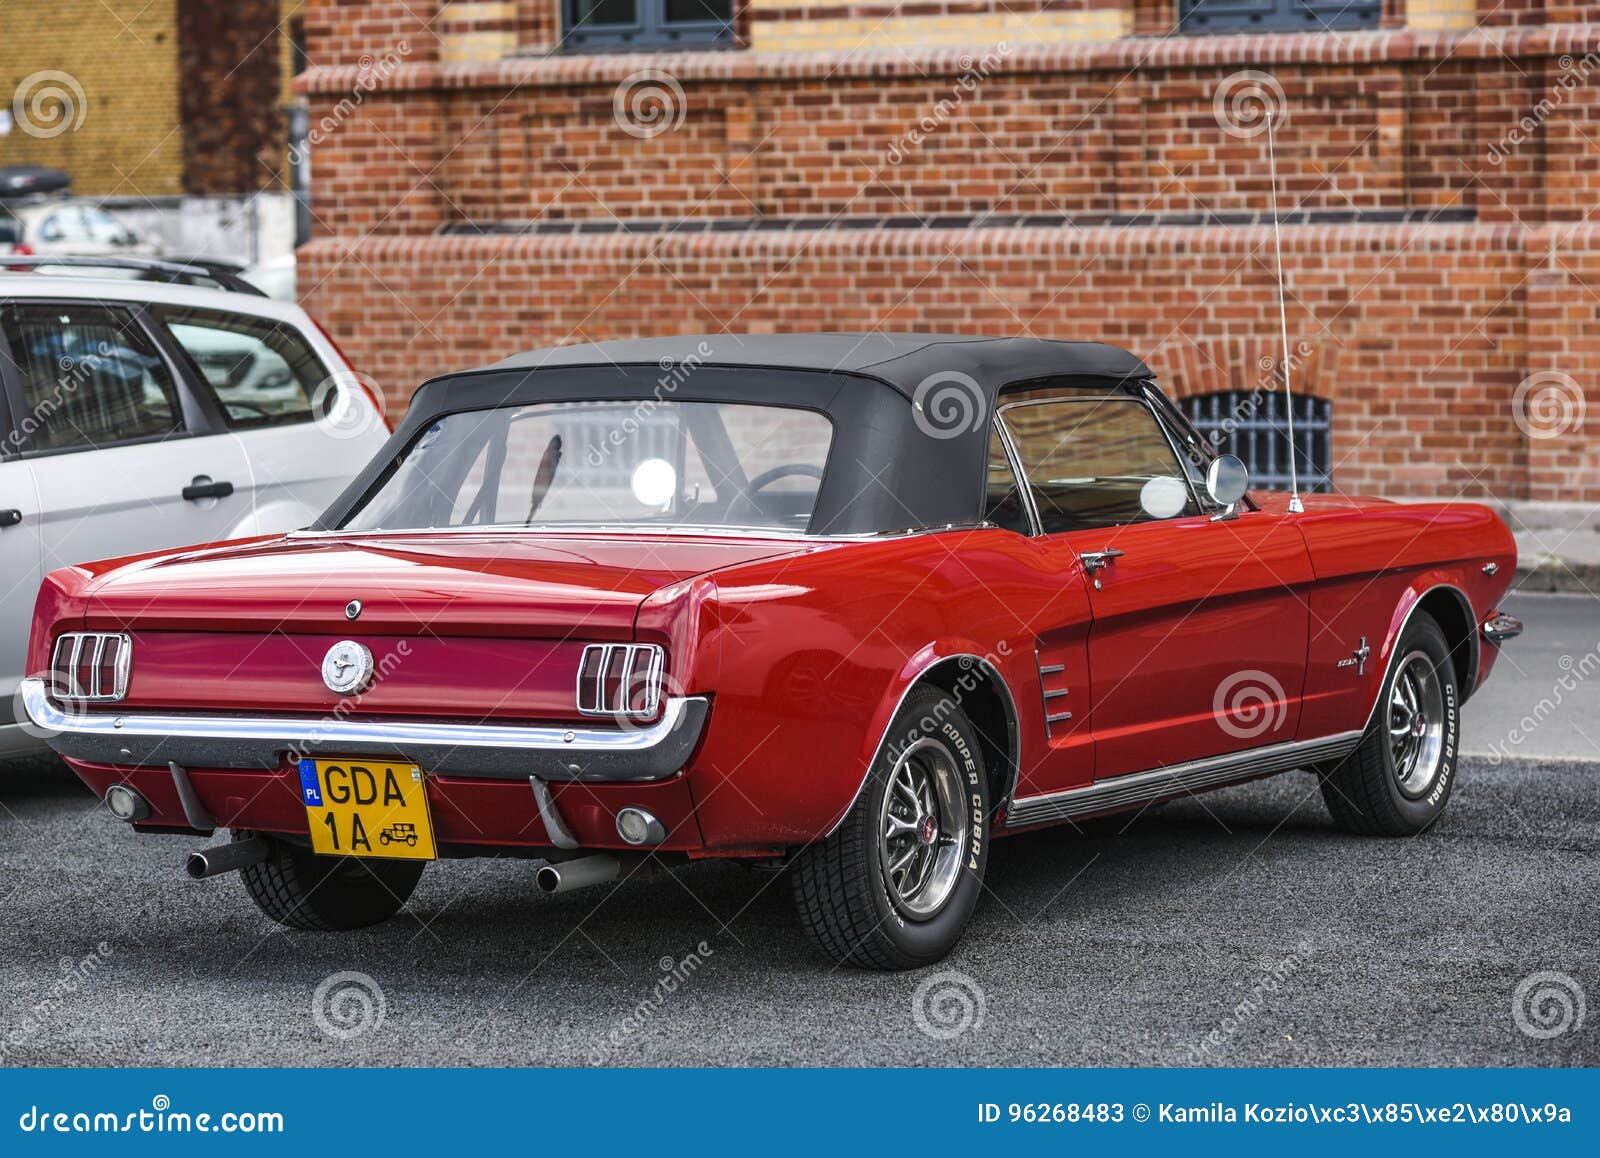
[[309, 788]]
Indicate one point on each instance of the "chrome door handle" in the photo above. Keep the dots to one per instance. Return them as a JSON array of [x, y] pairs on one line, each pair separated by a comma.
[[1099, 560]]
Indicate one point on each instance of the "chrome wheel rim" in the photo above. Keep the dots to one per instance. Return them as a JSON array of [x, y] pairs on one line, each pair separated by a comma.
[[1416, 724], [923, 828]]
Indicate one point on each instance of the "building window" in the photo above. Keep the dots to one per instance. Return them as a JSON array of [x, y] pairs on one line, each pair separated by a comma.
[[1276, 15], [613, 24], [1251, 425]]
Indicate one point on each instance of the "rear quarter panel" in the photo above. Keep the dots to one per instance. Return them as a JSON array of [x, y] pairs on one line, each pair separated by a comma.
[[807, 657]]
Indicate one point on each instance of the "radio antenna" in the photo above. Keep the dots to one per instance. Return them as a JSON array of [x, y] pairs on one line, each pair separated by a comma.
[[1295, 505]]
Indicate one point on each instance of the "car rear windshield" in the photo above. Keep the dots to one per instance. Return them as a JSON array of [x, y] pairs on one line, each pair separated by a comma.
[[609, 464]]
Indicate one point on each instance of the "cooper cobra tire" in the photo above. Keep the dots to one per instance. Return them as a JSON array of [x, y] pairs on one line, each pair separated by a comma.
[[1398, 780], [895, 884], [301, 890]]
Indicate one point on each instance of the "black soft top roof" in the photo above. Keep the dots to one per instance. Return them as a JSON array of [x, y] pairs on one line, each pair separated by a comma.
[[902, 360], [908, 450]]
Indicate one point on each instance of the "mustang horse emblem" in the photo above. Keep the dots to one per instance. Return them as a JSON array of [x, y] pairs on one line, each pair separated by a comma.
[[347, 667]]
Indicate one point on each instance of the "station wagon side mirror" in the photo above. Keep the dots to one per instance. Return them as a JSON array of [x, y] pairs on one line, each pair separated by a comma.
[[1227, 479]]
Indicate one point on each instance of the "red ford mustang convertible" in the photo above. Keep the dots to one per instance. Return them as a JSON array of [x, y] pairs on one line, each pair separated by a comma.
[[852, 604]]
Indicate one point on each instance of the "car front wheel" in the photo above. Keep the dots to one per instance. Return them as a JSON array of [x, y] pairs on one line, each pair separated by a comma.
[[1398, 780], [895, 884]]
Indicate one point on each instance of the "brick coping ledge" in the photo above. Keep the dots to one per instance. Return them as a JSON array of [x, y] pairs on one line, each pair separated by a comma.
[[1128, 54]]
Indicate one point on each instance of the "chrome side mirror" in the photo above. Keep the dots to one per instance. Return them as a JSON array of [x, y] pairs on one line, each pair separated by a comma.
[[1227, 479]]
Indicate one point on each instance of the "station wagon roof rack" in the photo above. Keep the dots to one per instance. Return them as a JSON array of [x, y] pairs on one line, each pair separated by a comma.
[[208, 275]]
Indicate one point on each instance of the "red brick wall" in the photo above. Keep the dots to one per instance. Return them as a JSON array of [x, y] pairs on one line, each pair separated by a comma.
[[1420, 332]]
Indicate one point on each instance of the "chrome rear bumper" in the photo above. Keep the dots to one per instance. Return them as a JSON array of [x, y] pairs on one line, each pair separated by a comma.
[[1499, 628], [495, 751]]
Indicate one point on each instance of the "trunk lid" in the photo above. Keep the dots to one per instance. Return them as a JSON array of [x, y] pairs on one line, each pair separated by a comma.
[[459, 625]]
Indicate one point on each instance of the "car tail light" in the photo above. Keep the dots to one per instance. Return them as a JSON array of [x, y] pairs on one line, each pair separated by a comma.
[[91, 665], [620, 679]]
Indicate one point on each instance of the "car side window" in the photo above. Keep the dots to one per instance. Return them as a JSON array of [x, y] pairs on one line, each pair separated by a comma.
[[1097, 461], [263, 372], [90, 377], [1003, 503]]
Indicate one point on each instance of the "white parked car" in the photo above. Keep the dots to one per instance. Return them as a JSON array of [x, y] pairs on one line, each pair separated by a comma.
[[137, 416], [67, 227]]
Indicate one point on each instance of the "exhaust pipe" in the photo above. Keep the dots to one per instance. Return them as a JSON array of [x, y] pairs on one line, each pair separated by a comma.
[[565, 876], [225, 858]]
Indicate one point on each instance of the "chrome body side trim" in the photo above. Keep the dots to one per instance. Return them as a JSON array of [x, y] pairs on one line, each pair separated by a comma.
[[1474, 643], [645, 530], [493, 751], [1138, 788], [1013, 735]]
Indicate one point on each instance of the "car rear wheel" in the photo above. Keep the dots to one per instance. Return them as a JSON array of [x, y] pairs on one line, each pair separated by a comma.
[[297, 888], [895, 884], [1397, 782]]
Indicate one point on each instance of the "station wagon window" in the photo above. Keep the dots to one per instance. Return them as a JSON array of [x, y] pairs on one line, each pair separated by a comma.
[[1097, 461], [622, 463], [90, 377], [263, 373]]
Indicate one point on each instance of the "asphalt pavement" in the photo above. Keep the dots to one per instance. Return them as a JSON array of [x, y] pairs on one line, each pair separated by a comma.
[[1236, 929]]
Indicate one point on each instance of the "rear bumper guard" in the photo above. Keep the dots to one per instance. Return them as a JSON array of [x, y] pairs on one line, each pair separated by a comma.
[[494, 751]]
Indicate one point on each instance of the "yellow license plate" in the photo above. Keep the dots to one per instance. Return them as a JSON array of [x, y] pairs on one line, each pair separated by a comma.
[[367, 808]]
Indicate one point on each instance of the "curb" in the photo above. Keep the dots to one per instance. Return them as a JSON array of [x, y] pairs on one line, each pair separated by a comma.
[[1572, 578]]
